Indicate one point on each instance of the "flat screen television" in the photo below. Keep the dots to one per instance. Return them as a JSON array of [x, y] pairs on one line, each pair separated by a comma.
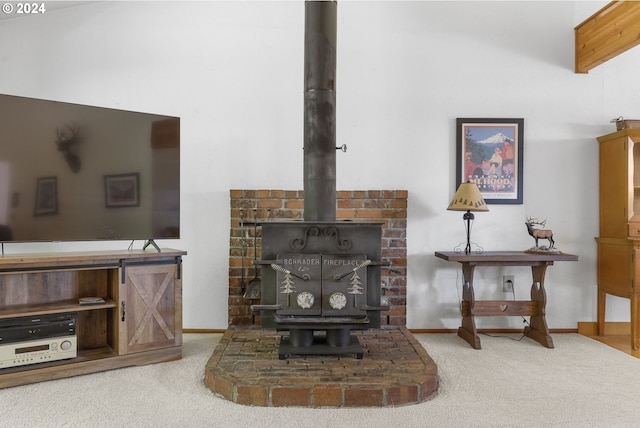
[[71, 172]]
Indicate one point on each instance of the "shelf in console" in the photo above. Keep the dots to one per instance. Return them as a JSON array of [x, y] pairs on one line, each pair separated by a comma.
[[52, 308], [85, 357]]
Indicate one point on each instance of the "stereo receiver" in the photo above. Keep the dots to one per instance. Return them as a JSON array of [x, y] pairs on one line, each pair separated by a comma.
[[37, 351], [37, 339]]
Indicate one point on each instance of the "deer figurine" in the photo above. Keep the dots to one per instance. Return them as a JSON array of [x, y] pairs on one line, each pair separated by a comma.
[[67, 140], [539, 233]]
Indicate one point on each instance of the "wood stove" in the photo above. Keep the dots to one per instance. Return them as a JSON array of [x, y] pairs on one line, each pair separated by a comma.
[[320, 277], [320, 280]]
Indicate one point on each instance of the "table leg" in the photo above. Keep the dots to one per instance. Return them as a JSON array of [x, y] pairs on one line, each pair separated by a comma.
[[602, 305], [537, 329], [635, 331], [468, 329]]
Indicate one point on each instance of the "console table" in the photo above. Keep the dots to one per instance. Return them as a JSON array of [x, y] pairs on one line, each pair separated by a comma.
[[138, 321], [535, 308]]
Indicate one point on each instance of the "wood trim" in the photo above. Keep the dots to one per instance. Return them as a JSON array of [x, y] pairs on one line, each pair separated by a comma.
[[422, 330], [203, 330], [609, 32], [610, 328], [488, 330], [412, 330]]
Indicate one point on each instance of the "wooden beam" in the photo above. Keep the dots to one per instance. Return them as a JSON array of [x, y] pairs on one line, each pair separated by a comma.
[[612, 30]]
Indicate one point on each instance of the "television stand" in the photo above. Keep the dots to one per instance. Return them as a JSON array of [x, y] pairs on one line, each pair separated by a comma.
[[151, 242], [138, 321]]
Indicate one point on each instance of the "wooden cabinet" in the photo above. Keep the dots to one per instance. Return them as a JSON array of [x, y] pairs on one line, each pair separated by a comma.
[[619, 240], [148, 316], [140, 321], [620, 184]]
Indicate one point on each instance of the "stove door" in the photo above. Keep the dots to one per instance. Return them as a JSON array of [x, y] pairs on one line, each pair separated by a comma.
[[299, 284], [321, 284], [344, 285]]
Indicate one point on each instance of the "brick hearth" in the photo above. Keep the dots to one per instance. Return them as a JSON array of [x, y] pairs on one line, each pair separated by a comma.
[[396, 370]]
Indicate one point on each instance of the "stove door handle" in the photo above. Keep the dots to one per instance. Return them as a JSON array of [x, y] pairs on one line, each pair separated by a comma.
[[279, 268], [337, 278]]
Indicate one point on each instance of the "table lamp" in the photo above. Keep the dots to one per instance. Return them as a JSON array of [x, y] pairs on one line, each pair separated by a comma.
[[468, 198]]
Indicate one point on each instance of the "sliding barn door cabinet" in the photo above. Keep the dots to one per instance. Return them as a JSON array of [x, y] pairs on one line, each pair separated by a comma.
[[138, 320]]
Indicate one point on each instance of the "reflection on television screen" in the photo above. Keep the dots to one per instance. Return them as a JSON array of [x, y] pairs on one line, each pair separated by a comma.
[[71, 172]]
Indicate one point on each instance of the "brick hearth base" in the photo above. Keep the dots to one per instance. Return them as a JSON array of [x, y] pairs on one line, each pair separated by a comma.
[[395, 370]]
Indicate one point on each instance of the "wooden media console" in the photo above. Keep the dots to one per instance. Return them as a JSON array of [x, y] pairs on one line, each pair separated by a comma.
[[140, 321]]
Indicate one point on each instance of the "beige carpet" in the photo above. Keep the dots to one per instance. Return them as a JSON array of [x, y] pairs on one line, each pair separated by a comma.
[[581, 383]]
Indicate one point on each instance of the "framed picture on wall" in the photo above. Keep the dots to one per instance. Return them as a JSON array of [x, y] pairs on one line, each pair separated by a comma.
[[122, 190], [489, 152], [46, 196]]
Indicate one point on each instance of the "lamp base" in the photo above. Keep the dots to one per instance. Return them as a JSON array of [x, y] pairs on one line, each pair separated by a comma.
[[468, 248], [468, 217]]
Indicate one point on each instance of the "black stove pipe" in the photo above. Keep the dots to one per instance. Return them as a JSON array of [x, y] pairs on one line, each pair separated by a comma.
[[320, 111]]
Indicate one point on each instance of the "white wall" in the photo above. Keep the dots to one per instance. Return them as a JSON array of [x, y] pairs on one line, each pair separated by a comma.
[[233, 72]]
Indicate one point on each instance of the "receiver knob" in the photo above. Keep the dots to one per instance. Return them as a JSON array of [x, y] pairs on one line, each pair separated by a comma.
[[65, 345]]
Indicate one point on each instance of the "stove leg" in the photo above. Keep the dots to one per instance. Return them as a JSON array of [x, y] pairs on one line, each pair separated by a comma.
[[301, 337], [339, 337], [335, 342]]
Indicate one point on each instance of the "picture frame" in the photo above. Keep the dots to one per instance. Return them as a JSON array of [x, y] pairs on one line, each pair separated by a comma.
[[489, 152], [46, 196], [122, 190]]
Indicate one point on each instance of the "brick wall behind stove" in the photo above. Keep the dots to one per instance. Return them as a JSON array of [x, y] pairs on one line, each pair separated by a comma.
[[388, 207]]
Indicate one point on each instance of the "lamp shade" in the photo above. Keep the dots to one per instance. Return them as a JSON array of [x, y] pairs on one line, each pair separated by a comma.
[[468, 198]]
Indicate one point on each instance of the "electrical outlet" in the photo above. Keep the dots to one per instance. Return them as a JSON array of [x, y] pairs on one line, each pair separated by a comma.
[[507, 283]]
